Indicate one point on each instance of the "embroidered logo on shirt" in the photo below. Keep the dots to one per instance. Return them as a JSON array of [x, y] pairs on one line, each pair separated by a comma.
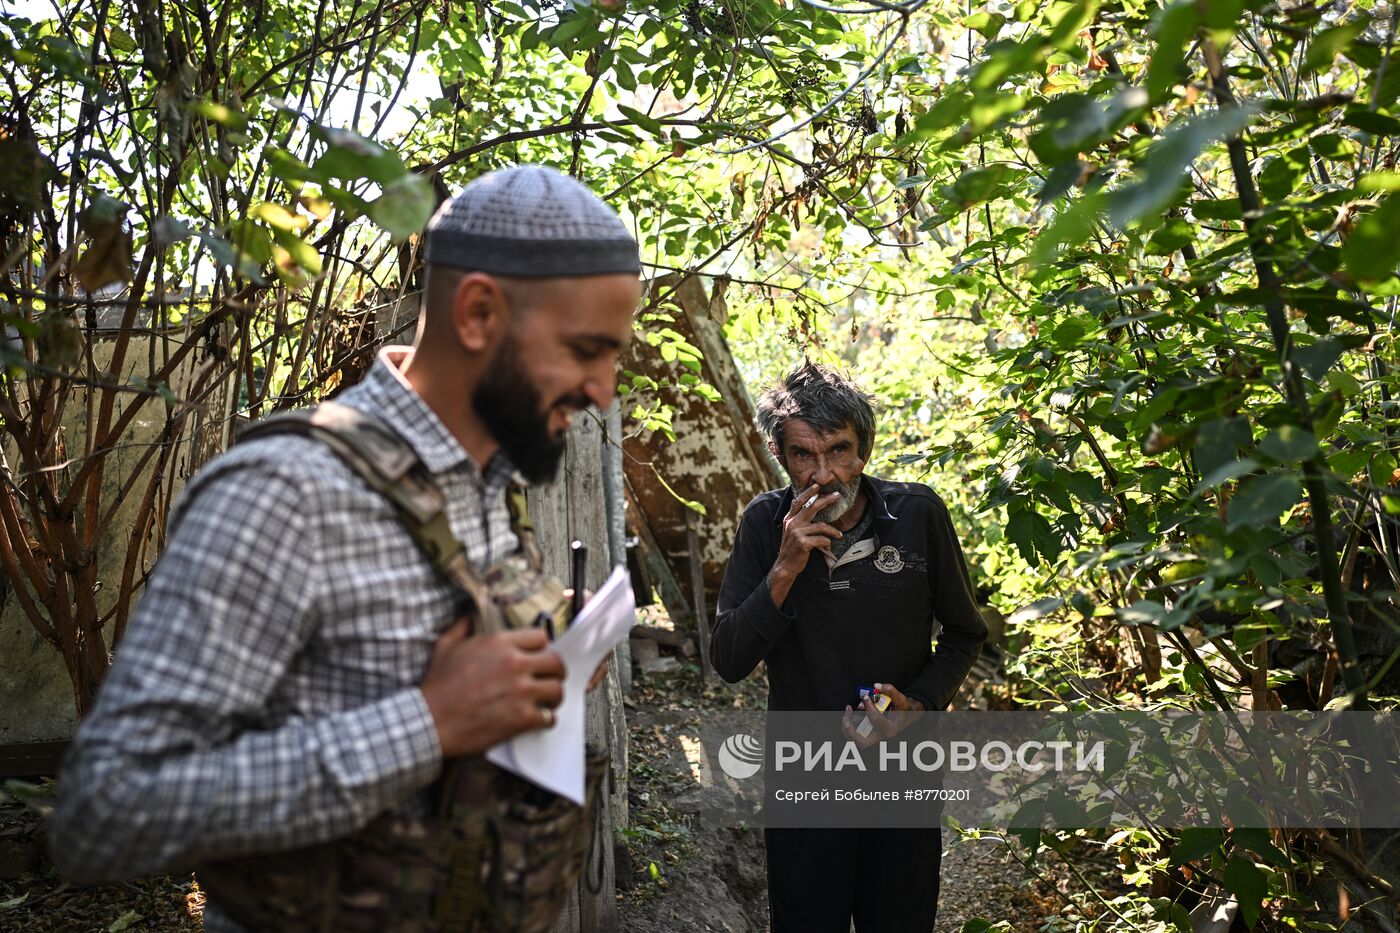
[[838, 585], [889, 560]]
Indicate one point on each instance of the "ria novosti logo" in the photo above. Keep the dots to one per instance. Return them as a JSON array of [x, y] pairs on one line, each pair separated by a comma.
[[741, 756]]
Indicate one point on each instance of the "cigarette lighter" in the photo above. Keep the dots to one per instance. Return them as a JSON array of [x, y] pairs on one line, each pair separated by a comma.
[[882, 703]]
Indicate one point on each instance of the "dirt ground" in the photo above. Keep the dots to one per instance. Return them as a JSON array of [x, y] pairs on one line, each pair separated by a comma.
[[684, 875], [676, 872], [34, 899]]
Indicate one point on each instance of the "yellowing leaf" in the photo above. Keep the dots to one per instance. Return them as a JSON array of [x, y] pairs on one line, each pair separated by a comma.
[[278, 217]]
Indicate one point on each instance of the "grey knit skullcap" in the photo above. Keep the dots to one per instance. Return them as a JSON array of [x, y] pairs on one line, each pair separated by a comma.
[[530, 221]]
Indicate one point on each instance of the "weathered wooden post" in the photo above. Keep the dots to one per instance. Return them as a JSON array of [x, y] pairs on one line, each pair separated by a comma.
[[614, 503], [697, 594], [572, 508]]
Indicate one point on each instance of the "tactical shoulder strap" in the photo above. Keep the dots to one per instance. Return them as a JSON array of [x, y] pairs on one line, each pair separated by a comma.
[[391, 467], [522, 525]]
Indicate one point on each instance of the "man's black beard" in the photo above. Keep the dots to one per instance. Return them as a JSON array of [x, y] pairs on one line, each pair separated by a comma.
[[509, 404]]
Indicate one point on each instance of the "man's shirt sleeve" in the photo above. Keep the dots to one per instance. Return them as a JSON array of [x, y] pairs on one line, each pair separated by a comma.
[[173, 767], [747, 622], [963, 628]]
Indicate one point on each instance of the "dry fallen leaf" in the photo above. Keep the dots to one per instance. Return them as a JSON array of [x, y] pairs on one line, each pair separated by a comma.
[[107, 259]]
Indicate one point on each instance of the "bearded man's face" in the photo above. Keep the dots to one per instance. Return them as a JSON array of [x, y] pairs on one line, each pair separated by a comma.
[[510, 405], [557, 357]]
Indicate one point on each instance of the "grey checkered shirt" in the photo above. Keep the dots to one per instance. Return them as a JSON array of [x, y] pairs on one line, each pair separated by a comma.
[[266, 695]]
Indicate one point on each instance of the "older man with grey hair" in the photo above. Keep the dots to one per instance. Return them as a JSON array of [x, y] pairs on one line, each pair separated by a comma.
[[840, 581], [301, 668]]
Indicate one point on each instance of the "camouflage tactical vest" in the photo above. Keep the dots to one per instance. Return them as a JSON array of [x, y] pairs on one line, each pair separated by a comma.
[[498, 853]]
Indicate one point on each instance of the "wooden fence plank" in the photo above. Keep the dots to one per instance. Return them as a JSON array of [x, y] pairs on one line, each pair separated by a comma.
[[572, 508]]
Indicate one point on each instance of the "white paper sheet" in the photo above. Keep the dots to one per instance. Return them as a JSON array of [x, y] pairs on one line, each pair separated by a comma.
[[553, 758]]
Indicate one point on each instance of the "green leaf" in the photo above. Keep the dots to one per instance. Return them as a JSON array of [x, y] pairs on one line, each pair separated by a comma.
[[1328, 44], [992, 109], [1193, 675], [1020, 530], [1196, 843], [1216, 208], [1061, 178], [1149, 612], [951, 108], [405, 206], [988, 24], [219, 247], [1224, 473], [167, 395], [253, 243], [1074, 15], [1348, 462], [1257, 841], [350, 156], [1171, 236], [121, 40], [302, 252], [976, 185], [1036, 610], [1379, 182], [1218, 441], [1289, 444], [282, 164], [1026, 824], [1243, 879], [1333, 146], [1262, 499], [979, 925], [1372, 251], [124, 922], [1344, 382], [1164, 168], [1071, 227], [220, 113], [171, 230], [650, 124], [1279, 178], [569, 29], [1373, 122], [1221, 15], [1174, 29]]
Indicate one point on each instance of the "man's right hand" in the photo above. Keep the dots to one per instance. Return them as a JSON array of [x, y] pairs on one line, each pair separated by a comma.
[[801, 536], [485, 689]]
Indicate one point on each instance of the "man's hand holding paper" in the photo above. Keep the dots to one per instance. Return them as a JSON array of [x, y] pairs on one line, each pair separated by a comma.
[[554, 758]]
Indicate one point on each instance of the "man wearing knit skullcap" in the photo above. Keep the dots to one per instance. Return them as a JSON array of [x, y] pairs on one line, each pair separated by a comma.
[[300, 667]]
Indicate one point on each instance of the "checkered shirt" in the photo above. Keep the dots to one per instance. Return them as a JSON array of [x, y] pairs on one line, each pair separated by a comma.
[[265, 696]]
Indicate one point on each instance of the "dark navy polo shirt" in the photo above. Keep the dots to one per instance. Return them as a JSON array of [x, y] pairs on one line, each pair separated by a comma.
[[869, 619]]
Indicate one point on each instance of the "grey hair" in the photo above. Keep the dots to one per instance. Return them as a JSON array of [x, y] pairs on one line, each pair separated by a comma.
[[822, 398]]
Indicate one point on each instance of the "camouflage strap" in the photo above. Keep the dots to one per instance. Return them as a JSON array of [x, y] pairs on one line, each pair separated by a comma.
[[498, 854], [392, 468], [523, 525]]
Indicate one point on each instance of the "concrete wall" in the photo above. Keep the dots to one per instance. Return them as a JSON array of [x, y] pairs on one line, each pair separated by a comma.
[[36, 695]]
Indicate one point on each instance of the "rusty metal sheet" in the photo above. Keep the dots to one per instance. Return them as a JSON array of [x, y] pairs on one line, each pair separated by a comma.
[[717, 458]]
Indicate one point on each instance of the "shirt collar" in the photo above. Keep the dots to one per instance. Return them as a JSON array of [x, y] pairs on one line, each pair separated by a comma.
[[867, 485], [385, 390]]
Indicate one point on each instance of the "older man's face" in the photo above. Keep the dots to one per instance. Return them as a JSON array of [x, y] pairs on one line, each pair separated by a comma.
[[830, 460]]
